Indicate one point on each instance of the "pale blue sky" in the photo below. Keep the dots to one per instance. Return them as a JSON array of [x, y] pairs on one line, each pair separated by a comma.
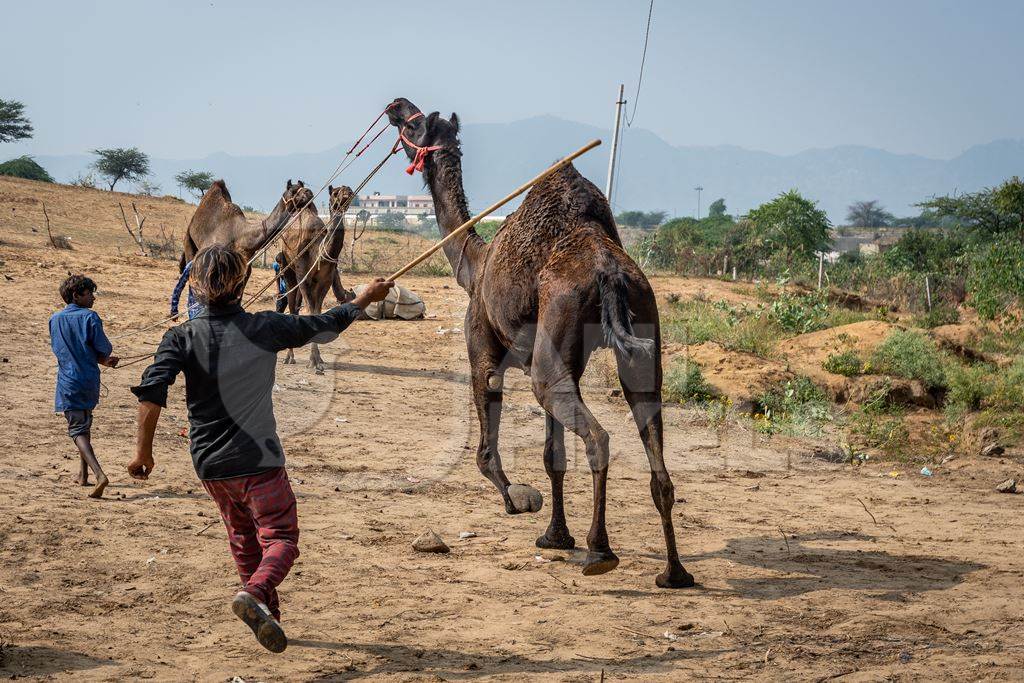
[[182, 79]]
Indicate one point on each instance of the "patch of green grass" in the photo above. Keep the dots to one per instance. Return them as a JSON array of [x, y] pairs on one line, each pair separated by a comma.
[[847, 364], [797, 407], [685, 383], [737, 328], [911, 355]]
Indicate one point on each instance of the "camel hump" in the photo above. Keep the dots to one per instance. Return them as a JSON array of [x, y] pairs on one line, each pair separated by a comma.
[[582, 201]]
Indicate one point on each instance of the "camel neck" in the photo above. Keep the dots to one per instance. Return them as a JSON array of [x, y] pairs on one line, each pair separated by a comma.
[[444, 177]]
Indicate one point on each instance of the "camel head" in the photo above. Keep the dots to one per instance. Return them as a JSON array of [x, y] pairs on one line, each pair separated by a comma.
[[296, 195], [340, 198], [421, 134]]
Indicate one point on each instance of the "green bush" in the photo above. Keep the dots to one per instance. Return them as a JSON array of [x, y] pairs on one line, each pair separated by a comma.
[[796, 406], [995, 277], [912, 355], [847, 364], [25, 167], [800, 313], [939, 316], [685, 383], [969, 386], [1007, 392]]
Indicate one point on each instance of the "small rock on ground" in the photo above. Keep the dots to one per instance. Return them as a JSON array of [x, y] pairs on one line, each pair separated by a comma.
[[1008, 486], [430, 542]]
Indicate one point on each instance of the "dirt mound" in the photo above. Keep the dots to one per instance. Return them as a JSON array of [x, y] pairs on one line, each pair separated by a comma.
[[743, 377], [806, 353]]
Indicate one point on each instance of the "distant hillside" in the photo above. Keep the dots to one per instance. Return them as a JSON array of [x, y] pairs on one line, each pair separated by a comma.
[[654, 174]]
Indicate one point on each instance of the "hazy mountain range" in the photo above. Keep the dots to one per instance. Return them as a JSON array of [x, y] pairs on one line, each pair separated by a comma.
[[653, 174]]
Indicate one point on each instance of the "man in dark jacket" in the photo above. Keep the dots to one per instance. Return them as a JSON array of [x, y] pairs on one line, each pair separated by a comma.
[[229, 358]]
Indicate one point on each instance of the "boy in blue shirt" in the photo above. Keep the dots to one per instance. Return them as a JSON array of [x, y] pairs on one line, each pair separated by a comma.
[[78, 342]]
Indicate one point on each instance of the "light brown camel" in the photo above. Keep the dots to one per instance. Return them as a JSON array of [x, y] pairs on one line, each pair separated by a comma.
[[310, 272], [553, 285], [218, 220]]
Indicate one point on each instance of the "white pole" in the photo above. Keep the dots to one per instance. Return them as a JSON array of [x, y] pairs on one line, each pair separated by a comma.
[[821, 268], [615, 144]]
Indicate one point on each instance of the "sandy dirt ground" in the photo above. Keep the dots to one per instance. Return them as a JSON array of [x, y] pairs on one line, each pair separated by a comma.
[[807, 570]]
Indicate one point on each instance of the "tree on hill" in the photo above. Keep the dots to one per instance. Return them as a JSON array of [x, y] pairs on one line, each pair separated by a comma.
[[789, 227], [25, 167], [868, 214], [641, 219], [196, 182], [120, 163], [13, 124], [717, 208]]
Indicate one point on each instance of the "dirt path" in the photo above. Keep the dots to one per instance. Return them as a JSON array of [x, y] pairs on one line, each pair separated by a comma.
[[798, 579]]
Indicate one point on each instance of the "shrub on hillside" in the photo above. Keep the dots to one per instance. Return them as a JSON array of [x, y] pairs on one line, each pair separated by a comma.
[[800, 313], [969, 386], [912, 355], [939, 316], [847, 364], [25, 167], [796, 406], [685, 383]]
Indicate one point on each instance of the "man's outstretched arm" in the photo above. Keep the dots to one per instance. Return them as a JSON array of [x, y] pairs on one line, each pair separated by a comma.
[[291, 331]]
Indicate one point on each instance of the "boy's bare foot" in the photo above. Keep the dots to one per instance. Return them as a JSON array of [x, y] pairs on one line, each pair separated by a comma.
[[257, 616], [101, 483]]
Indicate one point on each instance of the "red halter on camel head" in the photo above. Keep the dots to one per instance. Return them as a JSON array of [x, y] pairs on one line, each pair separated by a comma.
[[421, 152]]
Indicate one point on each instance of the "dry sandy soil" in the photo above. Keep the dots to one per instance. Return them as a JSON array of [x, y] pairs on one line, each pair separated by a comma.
[[807, 570]]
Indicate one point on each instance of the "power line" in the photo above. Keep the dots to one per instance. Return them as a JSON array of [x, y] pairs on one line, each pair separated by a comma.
[[643, 60]]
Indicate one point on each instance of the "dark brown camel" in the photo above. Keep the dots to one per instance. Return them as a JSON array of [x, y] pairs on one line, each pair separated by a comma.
[[218, 220], [310, 261], [552, 286]]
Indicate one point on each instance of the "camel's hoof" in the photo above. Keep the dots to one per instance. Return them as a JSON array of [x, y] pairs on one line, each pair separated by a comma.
[[289, 361], [600, 563], [318, 369], [556, 540], [675, 577], [522, 498]]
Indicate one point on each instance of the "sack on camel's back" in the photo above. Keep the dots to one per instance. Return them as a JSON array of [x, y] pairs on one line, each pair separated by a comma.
[[400, 303]]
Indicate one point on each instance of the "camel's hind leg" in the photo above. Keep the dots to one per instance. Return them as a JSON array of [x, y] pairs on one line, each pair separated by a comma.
[[294, 304], [557, 535], [641, 386], [313, 294], [556, 371]]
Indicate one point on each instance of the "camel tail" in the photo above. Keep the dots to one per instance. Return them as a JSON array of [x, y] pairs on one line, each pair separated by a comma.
[[616, 318]]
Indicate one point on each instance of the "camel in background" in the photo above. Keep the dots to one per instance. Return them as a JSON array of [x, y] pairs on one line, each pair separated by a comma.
[[553, 285], [310, 272], [218, 220]]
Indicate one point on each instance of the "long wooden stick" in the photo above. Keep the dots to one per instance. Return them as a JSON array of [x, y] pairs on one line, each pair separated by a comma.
[[492, 208]]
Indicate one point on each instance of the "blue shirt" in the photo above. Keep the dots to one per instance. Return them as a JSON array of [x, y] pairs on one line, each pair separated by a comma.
[[193, 305], [77, 340]]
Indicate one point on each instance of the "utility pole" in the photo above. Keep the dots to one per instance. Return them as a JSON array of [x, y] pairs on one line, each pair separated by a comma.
[[615, 143], [699, 190]]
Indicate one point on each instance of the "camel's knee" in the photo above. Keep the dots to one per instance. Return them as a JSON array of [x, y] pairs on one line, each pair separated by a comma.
[[662, 491], [485, 458], [597, 442]]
